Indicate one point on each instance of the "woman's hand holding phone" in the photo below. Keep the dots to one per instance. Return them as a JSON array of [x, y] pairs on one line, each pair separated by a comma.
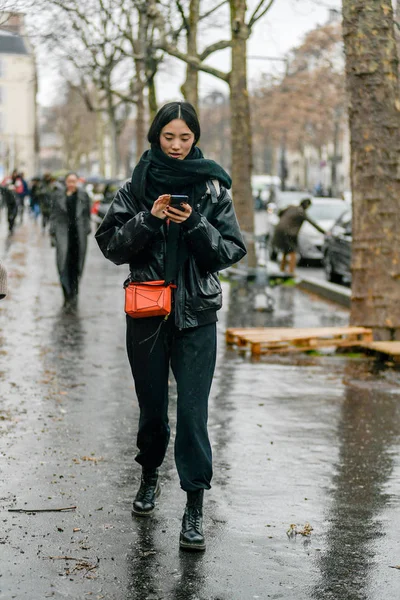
[[178, 209], [177, 212]]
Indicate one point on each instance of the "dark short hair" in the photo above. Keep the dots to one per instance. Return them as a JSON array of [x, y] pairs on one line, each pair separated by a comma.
[[305, 203], [169, 112], [71, 173]]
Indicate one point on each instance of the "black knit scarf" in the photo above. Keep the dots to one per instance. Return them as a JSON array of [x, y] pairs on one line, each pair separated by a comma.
[[157, 173]]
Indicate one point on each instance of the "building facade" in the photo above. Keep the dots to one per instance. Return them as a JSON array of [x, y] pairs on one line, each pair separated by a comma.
[[18, 87]]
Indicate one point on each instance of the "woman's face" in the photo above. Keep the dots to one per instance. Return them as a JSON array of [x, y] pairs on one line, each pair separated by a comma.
[[72, 183], [176, 139]]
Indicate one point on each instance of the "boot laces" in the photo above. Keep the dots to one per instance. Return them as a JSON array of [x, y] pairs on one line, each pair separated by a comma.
[[194, 518], [146, 492]]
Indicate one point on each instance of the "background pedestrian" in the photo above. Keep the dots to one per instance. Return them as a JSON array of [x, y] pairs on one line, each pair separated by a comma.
[[287, 231], [11, 201], [135, 231], [45, 194], [35, 197], [69, 228]]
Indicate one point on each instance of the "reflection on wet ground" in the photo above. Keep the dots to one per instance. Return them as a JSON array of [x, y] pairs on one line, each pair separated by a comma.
[[295, 439], [367, 428]]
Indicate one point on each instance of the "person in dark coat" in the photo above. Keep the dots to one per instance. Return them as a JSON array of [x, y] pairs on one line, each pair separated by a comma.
[[287, 231], [69, 228], [10, 199], [35, 197], [135, 232], [45, 194]]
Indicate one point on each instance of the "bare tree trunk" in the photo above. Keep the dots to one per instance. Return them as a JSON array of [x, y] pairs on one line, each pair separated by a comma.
[[140, 122], [335, 157], [190, 87], [113, 139], [152, 98], [374, 112], [100, 142], [241, 129], [283, 163]]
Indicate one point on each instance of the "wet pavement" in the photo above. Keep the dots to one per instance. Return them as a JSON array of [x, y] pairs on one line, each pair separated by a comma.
[[296, 439]]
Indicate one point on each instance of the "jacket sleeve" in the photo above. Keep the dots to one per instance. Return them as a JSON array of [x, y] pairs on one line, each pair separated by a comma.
[[88, 205], [124, 231], [53, 216], [216, 243], [314, 224]]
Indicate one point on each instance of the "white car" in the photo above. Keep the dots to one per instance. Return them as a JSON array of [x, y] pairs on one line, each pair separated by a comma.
[[324, 211]]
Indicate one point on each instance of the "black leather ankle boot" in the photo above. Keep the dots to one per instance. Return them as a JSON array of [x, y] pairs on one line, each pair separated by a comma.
[[192, 537], [144, 503]]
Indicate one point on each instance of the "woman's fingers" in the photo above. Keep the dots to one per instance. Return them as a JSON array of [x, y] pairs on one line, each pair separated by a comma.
[[176, 215], [164, 199], [159, 206]]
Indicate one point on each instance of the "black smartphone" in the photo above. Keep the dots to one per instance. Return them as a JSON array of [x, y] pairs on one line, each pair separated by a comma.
[[176, 201]]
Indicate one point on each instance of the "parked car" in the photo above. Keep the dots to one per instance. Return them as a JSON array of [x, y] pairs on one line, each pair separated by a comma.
[[324, 211], [337, 250], [264, 189], [101, 206]]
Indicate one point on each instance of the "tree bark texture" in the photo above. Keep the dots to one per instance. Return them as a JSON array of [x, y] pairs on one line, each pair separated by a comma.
[[241, 128], [374, 114], [140, 112], [152, 98], [113, 144], [190, 86]]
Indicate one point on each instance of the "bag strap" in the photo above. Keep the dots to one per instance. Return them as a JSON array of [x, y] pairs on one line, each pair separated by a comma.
[[171, 261], [214, 189]]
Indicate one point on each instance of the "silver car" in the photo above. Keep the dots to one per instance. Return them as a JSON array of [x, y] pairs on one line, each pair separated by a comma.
[[324, 211]]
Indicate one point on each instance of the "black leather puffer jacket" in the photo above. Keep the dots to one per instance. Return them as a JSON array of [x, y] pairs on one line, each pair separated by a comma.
[[210, 241]]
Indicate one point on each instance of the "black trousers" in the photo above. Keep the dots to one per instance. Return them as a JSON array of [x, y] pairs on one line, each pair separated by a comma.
[[70, 277], [191, 354]]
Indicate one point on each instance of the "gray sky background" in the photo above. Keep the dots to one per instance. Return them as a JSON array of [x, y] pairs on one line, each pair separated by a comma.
[[284, 27]]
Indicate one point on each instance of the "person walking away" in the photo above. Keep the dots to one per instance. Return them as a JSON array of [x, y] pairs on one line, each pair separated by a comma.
[[287, 230], [69, 228], [23, 193], [20, 194], [45, 193], [3, 281], [135, 231], [35, 197], [11, 201]]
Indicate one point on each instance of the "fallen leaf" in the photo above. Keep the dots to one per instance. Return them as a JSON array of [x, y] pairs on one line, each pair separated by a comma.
[[92, 458]]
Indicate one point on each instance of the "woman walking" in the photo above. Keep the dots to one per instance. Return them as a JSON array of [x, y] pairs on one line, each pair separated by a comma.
[[136, 231], [69, 228]]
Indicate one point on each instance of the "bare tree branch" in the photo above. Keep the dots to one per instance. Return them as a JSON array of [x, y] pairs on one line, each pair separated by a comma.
[[215, 48], [259, 12], [213, 10], [195, 62]]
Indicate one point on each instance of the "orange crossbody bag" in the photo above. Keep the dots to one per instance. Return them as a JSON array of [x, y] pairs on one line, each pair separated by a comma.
[[154, 298], [148, 299]]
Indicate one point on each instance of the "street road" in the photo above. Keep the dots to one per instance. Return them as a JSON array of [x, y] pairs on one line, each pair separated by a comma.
[[296, 439]]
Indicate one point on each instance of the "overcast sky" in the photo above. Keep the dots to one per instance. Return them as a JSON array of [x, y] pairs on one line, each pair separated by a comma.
[[284, 27]]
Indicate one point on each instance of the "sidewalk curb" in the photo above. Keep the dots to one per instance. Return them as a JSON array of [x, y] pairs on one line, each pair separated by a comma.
[[331, 291]]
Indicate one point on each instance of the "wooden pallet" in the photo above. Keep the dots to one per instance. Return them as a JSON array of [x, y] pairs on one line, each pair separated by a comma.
[[391, 349], [270, 340]]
